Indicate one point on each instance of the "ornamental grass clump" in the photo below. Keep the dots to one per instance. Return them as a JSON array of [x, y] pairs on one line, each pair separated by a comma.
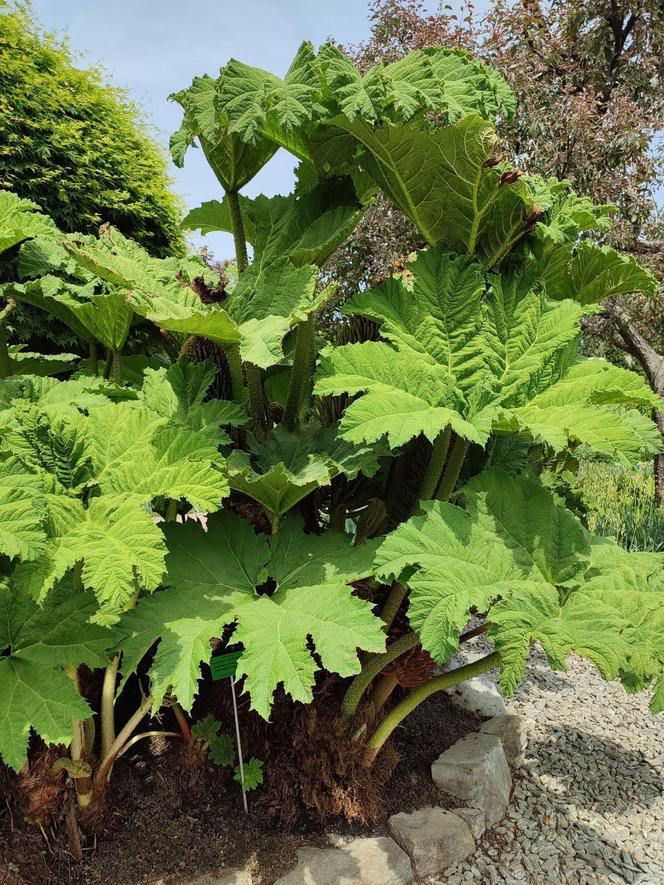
[[362, 500]]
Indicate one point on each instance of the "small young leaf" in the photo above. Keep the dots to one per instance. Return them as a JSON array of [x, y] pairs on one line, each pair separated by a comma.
[[205, 729], [222, 750], [253, 774]]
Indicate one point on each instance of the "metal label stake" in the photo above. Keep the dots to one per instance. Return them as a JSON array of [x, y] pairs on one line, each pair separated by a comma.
[[225, 666], [239, 746]]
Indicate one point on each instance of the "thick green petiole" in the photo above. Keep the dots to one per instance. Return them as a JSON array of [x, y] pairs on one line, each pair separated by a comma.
[[452, 469], [5, 359], [415, 698], [393, 603], [77, 750], [117, 367], [301, 372], [107, 706], [94, 358], [256, 399], [372, 668], [232, 352], [104, 770], [436, 464], [239, 237]]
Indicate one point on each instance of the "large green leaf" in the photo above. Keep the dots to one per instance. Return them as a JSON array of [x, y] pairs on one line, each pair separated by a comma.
[[513, 535], [107, 317], [122, 550], [36, 642], [232, 160], [590, 272], [24, 362], [443, 80], [153, 287], [221, 569], [281, 470], [624, 571], [275, 633], [138, 452], [267, 301], [531, 342], [598, 381], [20, 220], [260, 106], [294, 111], [518, 554], [551, 542], [79, 486], [51, 443], [446, 182], [22, 510], [103, 316], [43, 294], [479, 352], [269, 298], [183, 620], [179, 393], [615, 619], [52, 396], [436, 312], [569, 216], [64, 518], [403, 396], [311, 599], [93, 310], [306, 229]]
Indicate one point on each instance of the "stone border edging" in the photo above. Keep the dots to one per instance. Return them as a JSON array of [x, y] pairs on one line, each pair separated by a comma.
[[426, 842]]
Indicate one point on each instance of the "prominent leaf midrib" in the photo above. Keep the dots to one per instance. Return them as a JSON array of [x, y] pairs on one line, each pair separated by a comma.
[[477, 214], [498, 254], [535, 343], [377, 148]]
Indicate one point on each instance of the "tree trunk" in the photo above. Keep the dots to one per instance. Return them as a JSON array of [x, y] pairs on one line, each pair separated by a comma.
[[658, 460], [627, 338]]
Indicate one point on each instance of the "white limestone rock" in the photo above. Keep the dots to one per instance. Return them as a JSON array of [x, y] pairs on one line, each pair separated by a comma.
[[512, 732], [362, 861], [434, 839], [475, 817], [475, 770]]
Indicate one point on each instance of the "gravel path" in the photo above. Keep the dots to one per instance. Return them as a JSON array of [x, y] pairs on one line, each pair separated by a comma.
[[588, 800]]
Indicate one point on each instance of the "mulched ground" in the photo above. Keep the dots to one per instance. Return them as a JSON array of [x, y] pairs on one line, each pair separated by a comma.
[[164, 827]]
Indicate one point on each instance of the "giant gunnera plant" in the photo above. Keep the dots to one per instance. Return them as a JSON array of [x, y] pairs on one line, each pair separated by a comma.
[[320, 485]]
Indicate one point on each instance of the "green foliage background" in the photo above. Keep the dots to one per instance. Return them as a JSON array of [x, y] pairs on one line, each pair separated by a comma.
[[77, 147], [621, 504]]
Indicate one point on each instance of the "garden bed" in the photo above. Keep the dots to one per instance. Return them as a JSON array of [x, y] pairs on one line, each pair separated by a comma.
[[156, 832]]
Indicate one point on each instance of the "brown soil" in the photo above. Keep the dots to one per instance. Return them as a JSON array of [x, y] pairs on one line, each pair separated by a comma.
[[166, 824]]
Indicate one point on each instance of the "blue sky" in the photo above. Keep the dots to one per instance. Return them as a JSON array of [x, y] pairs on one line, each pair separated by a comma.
[[155, 47]]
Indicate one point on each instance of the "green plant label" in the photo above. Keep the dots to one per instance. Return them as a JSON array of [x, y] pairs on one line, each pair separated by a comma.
[[224, 666]]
